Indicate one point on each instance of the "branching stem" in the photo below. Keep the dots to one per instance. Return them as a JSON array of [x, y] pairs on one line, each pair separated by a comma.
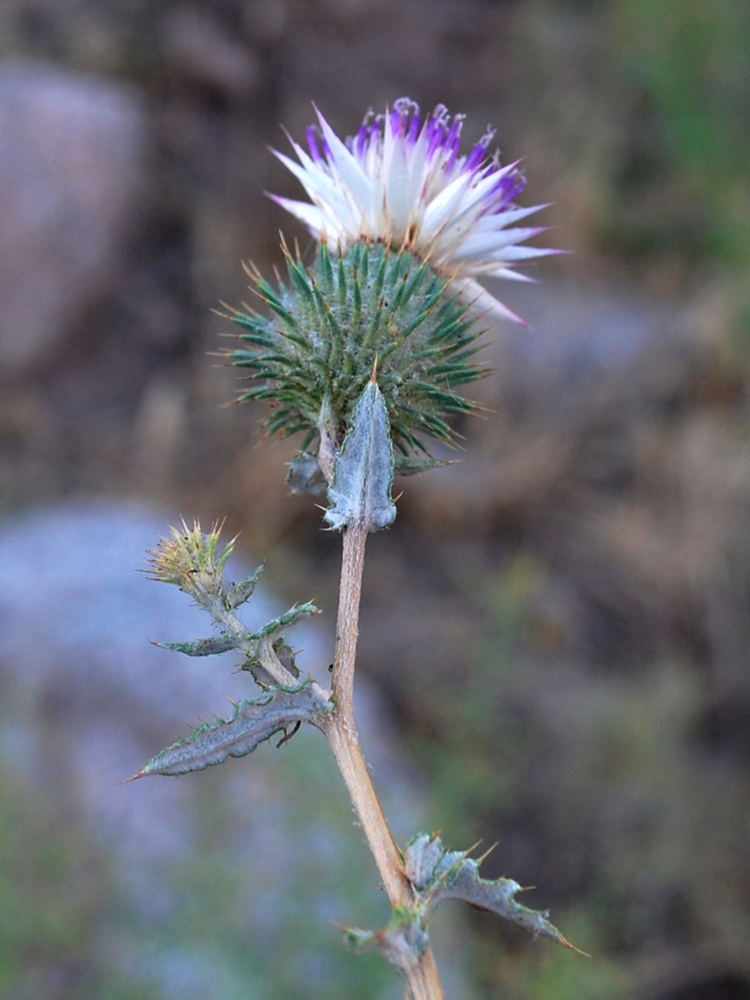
[[341, 731], [229, 622]]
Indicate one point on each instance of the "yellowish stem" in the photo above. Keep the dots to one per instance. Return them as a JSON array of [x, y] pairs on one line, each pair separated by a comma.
[[341, 731]]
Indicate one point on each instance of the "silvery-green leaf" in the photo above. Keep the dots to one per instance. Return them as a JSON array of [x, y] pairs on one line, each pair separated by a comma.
[[203, 647], [363, 471], [436, 874], [464, 882], [251, 723], [284, 622], [243, 591], [421, 859]]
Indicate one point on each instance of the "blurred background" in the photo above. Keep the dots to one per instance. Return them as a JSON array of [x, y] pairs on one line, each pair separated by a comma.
[[555, 631]]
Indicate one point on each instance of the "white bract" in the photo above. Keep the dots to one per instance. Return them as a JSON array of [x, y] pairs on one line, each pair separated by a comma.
[[401, 179]]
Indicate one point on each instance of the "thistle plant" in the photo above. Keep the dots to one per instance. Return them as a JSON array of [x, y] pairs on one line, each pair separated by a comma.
[[364, 354]]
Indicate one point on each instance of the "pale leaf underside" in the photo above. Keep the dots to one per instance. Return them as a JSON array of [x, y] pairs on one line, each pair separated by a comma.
[[251, 724], [363, 472]]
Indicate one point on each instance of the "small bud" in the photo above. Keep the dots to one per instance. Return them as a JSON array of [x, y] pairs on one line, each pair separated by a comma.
[[191, 560]]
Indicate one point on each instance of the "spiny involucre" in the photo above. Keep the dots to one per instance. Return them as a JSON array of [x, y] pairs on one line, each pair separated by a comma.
[[404, 225], [333, 323]]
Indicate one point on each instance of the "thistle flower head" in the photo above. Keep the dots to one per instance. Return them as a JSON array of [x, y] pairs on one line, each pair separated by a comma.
[[403, 180], [404, 222]]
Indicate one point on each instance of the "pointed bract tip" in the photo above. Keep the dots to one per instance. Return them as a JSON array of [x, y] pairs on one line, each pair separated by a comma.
[[571, 947], [143, 773]]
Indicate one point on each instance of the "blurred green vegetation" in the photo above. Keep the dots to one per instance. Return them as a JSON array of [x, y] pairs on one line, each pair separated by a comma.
[[70, 929], [55, 891], [598, 788], [691, 61]]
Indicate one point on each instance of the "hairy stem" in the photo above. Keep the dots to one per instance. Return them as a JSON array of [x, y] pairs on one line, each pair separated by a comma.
[[341, 731], [229, 622]]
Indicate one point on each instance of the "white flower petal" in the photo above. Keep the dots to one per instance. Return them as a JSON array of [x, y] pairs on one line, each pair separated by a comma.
[[509, 275], [397, 192], [479, 300], [502, 219], [323, 192], [401, 180], [439, 211], [478, 245], [312, 217], [352, 175], [523, 253]]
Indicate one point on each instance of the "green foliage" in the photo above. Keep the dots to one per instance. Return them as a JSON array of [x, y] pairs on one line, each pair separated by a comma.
[[691, 61], [284, 623], [334, 323], [202, 647], [55, 893], [69, 931]]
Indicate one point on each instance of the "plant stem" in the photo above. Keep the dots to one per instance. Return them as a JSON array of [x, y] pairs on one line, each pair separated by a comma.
[[342, 736]]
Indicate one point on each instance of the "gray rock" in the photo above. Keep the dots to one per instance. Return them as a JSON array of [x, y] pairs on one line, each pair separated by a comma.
[[71, 152]]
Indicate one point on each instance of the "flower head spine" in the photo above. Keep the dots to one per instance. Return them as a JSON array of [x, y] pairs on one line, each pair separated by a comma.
[[403, 180]]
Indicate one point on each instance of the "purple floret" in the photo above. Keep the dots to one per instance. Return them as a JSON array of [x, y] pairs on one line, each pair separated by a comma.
[[312, 142], [361, 138], [414, 129], [475, 157], [506, 189]]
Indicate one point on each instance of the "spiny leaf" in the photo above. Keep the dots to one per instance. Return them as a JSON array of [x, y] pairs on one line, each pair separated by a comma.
[[410, 466], [421, 858], [437, 874], [498, 897], [251, 724], [284, 622], [203, 647], [243, 591]]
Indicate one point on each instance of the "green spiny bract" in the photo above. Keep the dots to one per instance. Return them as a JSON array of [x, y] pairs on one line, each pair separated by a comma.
[[333, 323]]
